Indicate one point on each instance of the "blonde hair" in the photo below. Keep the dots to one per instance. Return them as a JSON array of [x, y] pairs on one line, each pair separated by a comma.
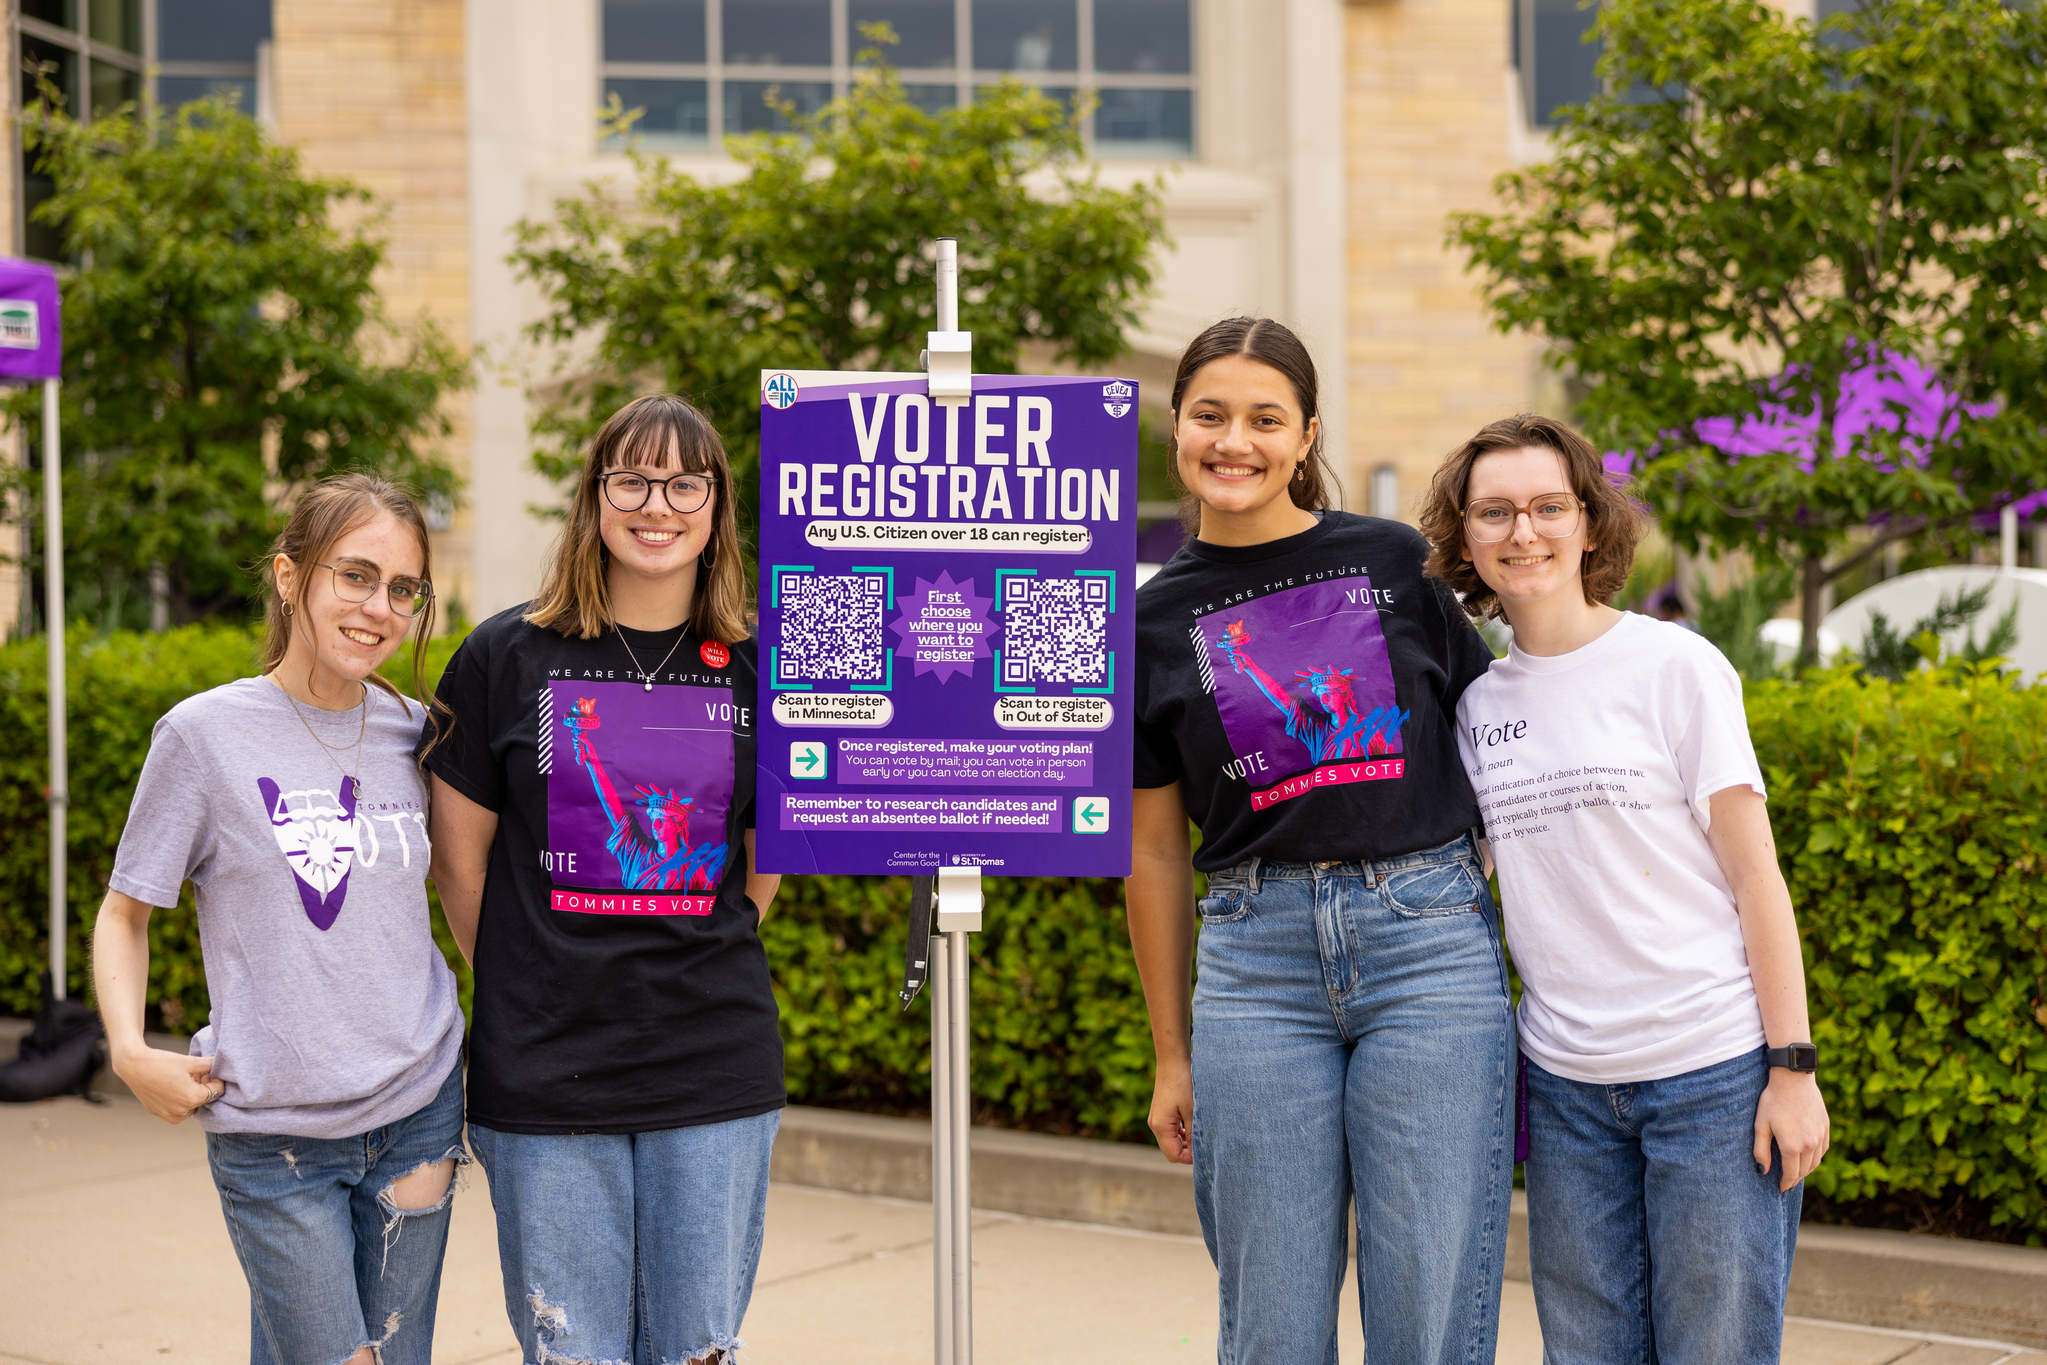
[[659, 430], [324, 513]]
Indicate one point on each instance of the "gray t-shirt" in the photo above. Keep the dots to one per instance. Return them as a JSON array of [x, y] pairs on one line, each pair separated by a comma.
[[333, 1010]]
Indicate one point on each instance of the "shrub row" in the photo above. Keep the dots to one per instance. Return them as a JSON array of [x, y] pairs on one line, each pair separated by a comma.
[[1911, 818]]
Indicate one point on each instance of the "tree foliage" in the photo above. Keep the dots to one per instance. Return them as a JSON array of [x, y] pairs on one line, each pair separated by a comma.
[[224, 346], [1760, 212], [821, 257]]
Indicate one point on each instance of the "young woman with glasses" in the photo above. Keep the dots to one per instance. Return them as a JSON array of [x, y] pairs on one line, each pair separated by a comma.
[[593, 845], [1672, 1105], [328, 1078], [1296, 687]]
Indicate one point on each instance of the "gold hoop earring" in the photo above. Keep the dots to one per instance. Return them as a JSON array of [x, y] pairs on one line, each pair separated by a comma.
[[287, 609], [709, 556]]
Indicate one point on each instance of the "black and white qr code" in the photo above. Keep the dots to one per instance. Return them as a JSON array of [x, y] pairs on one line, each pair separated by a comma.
[[831, 627], [1055, 630]]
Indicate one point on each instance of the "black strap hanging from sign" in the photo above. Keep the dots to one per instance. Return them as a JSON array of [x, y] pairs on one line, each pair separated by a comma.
[[923, 904]]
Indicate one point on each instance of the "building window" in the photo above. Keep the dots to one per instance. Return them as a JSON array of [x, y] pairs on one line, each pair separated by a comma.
[[1386, 492], [1556, 64], [94, 53], [703, 69], [209, 47]]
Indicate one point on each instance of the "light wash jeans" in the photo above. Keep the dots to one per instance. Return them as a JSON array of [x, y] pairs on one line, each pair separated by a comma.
[[1651, 1236], [332, 1265], [633, 1247], [1353, 1042]]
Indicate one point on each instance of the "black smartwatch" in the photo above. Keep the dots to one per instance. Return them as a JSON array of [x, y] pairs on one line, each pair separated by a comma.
[[1801, 1057]]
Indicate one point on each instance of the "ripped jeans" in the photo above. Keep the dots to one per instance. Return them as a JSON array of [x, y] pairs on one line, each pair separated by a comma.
[[332, 1266], [630, 1248]]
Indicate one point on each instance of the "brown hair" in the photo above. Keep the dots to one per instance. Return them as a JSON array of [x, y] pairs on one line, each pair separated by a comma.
[[1269, 343], [1614, 521], [324, 513], [574, 597]]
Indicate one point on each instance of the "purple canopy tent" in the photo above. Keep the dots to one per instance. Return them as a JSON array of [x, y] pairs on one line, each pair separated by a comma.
[[1895, 393], [32, 348]]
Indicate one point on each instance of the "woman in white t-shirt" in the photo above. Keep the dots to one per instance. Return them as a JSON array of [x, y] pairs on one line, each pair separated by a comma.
[[1672, 1105]]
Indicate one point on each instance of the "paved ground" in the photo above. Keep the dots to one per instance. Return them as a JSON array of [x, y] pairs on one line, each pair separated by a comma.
[[112, 1249]]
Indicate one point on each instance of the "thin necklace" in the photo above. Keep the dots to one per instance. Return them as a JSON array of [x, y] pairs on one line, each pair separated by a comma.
[[646, 677], [354, 781]]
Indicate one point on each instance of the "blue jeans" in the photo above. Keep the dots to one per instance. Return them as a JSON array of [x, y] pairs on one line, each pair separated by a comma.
[[1651, 1237], [332, 1264], [631, 1246], [1352, 1042]]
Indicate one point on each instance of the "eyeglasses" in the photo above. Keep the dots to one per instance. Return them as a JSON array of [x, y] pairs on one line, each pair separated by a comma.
[[407, 595], [1554, 516], [628, 492]]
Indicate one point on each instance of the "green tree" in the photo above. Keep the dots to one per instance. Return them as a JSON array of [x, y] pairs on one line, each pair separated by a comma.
[[1763, 215], [224, 346], [820, 257]]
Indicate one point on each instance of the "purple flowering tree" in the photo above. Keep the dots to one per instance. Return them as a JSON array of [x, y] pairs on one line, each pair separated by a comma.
[[1801, 272]]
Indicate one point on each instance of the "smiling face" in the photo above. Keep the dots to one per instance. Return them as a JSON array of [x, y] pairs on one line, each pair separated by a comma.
[[335, 643], [1241, 435], [655, 545], [1526, 567]]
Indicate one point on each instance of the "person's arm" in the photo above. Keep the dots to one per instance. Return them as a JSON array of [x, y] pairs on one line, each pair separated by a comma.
[[1160, 896], [1791, 1113], [760, 886], [462, 832], [170, 1085]]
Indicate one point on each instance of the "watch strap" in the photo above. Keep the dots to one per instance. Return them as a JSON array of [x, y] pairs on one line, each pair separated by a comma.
[[1799, 1057]]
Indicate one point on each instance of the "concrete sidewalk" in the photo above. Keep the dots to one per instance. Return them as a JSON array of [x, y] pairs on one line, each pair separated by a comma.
[[112, 1249]]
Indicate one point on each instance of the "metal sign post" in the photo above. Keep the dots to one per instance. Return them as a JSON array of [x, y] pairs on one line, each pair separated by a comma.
[[947, 626]]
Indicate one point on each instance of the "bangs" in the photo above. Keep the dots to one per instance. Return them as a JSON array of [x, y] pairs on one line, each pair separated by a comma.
[[659, 432]]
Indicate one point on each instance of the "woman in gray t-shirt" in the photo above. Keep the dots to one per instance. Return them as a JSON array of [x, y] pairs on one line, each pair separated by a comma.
[[328, 1078]]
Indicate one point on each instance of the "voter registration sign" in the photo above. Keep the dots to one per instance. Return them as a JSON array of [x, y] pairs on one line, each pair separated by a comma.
[[948, 615]]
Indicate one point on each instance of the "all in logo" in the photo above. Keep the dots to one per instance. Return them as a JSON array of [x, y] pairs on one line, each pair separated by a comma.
[[778, 390], [1117, 396], [18, 329]]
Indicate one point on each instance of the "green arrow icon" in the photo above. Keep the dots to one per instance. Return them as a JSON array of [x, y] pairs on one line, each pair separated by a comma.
[[809, 759], [1090, 813]]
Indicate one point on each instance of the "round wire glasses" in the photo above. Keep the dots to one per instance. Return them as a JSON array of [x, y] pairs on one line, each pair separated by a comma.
[[353, 583], [628, 491], [1554, 516]]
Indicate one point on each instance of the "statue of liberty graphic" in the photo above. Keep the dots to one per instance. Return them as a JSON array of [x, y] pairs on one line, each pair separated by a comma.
[[661, 859], [1339, 730]]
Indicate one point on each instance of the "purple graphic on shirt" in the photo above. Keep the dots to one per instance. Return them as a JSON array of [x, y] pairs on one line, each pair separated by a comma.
[[1302, 681], [944, 626], [638, 785], [315, 830]]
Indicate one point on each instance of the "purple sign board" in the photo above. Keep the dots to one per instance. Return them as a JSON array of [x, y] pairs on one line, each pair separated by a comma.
[[948, 620], [31, 338]]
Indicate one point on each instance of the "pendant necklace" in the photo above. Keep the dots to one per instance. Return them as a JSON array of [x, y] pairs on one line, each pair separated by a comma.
[[354, 782], [646, 677]]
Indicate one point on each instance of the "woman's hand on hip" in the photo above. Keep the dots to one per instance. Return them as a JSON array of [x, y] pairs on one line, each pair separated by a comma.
[[1792, 1114], [1172, 1113], [170, 1085]]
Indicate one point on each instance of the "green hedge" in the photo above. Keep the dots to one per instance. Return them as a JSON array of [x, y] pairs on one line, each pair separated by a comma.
[[1911, 816]]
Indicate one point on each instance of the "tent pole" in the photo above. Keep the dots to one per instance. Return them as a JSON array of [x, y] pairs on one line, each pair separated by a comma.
[[53, 623]]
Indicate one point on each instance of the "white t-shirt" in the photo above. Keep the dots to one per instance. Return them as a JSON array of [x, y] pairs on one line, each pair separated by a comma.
[[1593, 770]]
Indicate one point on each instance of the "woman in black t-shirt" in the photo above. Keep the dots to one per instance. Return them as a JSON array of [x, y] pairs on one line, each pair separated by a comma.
[[593, 844], [1297, 690]]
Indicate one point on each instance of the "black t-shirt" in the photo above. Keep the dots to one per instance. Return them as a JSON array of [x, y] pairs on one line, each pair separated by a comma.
[[620, 981], [1303, 693]]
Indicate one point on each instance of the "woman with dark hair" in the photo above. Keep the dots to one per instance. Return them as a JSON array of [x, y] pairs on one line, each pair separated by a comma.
[[593, 845], [329, 1078], [1672, 1105], [1296, 690]]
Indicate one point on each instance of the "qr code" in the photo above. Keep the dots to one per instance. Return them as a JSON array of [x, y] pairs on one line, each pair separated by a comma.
[[1054, 630], [831, 627]]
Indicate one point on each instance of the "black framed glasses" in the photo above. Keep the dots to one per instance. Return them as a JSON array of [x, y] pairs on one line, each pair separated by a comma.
[[407, 595], [628, 491], [1553, 515]]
